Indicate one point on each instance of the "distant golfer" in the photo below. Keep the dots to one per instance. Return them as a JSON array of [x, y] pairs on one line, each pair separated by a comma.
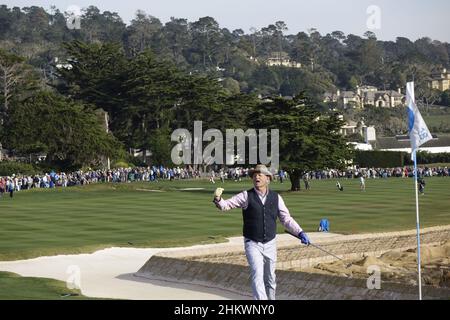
[[306, 181], [362, 183], [222, 176], [421, 184], [260, 209], [212, 176], [338, 185]]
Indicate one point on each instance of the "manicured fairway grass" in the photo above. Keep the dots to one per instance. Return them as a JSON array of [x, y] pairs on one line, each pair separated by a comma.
[[27, 288], [84, 219]]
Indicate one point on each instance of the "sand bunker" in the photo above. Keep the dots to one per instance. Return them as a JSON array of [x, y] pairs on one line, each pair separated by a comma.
[[397, 266]]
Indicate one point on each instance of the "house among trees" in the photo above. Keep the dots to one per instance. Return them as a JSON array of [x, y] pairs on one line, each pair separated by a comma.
[[440, 80], [282, 59], [358, 130], [366, 95]]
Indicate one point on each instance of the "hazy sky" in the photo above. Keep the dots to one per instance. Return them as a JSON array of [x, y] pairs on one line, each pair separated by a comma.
[[407, 18]]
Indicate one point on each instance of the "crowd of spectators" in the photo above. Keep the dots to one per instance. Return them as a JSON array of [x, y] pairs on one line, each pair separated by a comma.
[[53, 179]]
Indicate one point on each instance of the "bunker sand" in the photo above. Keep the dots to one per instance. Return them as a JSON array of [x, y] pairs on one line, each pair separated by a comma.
[[397, 266]]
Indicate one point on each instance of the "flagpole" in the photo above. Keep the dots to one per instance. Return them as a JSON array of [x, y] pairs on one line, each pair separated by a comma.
[[418, 134], [417, 224]]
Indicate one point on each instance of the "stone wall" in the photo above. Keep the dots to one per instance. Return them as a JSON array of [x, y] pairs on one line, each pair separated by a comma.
[[227, 268]]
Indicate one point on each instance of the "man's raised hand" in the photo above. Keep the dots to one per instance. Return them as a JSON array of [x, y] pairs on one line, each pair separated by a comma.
[[218, 194]]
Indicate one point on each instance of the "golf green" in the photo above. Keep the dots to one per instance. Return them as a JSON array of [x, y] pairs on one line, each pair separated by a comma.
[[178, 213]]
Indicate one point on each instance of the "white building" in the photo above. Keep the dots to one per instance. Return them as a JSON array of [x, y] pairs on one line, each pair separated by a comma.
[[366, 95], [439, 144], [282, 59], [351, 127], [362, 146]]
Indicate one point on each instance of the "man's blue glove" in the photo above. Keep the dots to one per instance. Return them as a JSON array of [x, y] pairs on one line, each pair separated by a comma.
[[304, 238]]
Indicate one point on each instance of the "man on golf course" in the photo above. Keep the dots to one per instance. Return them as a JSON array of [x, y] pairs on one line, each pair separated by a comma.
[[260, 209]]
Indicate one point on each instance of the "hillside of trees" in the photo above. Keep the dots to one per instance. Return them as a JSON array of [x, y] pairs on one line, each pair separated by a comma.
[[329, 61], [60, 89]]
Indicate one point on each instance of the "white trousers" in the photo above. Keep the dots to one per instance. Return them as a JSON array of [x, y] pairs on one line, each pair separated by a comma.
[[262, 259]]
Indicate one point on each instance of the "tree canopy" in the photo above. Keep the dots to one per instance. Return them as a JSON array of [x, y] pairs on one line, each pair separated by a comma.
[[69, 133], [309, 140]]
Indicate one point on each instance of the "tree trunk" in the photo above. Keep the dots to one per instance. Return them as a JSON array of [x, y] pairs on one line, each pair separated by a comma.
[[5, 91], [294, 176]]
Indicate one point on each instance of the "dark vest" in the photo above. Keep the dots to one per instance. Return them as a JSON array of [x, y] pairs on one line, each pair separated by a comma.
[[260, 221]]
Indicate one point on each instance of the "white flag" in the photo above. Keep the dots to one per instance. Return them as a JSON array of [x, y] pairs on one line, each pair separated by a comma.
[[418, 130]]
